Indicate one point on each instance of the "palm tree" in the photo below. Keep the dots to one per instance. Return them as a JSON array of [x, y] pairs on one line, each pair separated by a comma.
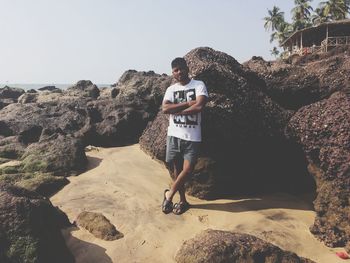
[[285, 30], [336, 9], [274, 52], [301, 14], [274, 20], [319, 16]]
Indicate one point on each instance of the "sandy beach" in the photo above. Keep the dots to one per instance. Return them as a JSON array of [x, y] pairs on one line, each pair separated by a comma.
[[126, 185]]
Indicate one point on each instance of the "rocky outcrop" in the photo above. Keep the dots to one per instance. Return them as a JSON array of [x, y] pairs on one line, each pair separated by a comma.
[[57, 154], [289, 85], [48, 88], [142, 88], [11, 147], [84, 88], [222, 246], [9, 95], [48, 131], [122, 120], [323, 130], [299, 84], [32, 118], [98, 225], [239, 124], [108, 92], [30, 228]]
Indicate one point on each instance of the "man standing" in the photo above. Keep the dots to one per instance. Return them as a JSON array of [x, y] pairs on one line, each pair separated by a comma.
[[184, 101]]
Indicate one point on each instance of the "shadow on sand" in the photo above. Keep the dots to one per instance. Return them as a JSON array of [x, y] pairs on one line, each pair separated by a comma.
[[84, 252], [93, 162], [260, 203]]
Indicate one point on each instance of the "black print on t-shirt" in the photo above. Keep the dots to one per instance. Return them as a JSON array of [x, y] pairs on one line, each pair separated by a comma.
[[185, 120]]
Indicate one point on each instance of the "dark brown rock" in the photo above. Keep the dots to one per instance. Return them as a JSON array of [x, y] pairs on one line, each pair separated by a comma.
[[10, 93], [121, 121], [5, 102], [28, 97], [48, 88], [31, 91], [299, 84], [153, 139], [98, 225], [223, 247], [84, 88], [57, 154], [142, 88], [30, 229], [11, 147], [239, 124], [347, 248], [66, 116], [323, 130]]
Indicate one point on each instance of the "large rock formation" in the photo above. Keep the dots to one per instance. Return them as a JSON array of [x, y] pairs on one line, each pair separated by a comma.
[[299, 84], [84, 88], [222, 246], [244, 149], [48, 131], [57, 154], [30, 229], [9, 95], [251, 142], [323, 130], [121, 120]]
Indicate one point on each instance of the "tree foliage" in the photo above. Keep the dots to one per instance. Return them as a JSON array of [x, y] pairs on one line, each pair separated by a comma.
[[303, 16]]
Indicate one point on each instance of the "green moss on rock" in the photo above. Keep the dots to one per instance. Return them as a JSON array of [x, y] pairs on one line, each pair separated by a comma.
[[4, 160], [23, 248], [34, 165], [43, 183]]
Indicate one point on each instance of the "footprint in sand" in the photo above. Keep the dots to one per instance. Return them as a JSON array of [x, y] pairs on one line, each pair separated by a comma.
[[203, 219]]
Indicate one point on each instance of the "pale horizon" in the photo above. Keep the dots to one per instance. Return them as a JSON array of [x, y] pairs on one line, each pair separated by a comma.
[[54, 42]]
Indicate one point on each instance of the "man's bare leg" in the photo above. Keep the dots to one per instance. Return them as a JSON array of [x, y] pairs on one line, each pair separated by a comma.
[[178, 165], [179, 183]]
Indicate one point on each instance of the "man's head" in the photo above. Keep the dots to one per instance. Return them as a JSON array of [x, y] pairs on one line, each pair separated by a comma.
[[180, 70]]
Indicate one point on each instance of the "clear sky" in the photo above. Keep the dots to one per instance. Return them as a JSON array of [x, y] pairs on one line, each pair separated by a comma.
[[63, 41]]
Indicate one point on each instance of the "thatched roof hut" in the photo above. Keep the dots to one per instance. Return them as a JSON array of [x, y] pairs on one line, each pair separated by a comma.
[[320, 37]]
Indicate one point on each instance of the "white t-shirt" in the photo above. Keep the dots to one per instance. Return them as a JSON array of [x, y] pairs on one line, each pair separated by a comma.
[[186, 127]]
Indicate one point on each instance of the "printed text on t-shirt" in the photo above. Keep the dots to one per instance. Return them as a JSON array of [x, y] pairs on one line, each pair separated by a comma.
[[184, 96]]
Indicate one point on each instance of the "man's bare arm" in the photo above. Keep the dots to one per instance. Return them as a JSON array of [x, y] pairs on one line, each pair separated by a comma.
[[170, 108], [196, 107]]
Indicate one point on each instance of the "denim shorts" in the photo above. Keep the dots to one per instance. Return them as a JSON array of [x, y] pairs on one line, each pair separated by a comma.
[[176, 148]]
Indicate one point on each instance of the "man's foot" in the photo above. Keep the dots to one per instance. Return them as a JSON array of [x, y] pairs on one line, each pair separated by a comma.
[[181, 207], [167, 205]]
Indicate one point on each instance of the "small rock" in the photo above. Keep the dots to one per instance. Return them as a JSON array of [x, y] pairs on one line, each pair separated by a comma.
[[98, 225]]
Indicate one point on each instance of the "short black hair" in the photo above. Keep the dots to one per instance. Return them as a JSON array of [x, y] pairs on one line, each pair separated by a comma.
[[179, 62]]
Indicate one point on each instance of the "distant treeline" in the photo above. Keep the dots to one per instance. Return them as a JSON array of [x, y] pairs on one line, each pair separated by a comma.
[[303, 15]]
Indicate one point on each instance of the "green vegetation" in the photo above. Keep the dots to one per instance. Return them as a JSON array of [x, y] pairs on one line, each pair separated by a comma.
[[33, 181], [303, 16], [10, 152], [31, 176], [24, 249], [10, 170], [4, 160], [32, 166], [32, 163]]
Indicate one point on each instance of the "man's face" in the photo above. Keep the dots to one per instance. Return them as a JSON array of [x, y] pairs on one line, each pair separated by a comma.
[[180, 73]]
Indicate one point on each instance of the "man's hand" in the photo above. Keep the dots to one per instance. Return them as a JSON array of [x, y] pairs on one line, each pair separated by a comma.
[[170, 108], [196, 107]]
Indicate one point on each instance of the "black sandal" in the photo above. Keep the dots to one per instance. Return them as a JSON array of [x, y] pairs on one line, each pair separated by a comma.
[[180, 208], [167, 206]]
